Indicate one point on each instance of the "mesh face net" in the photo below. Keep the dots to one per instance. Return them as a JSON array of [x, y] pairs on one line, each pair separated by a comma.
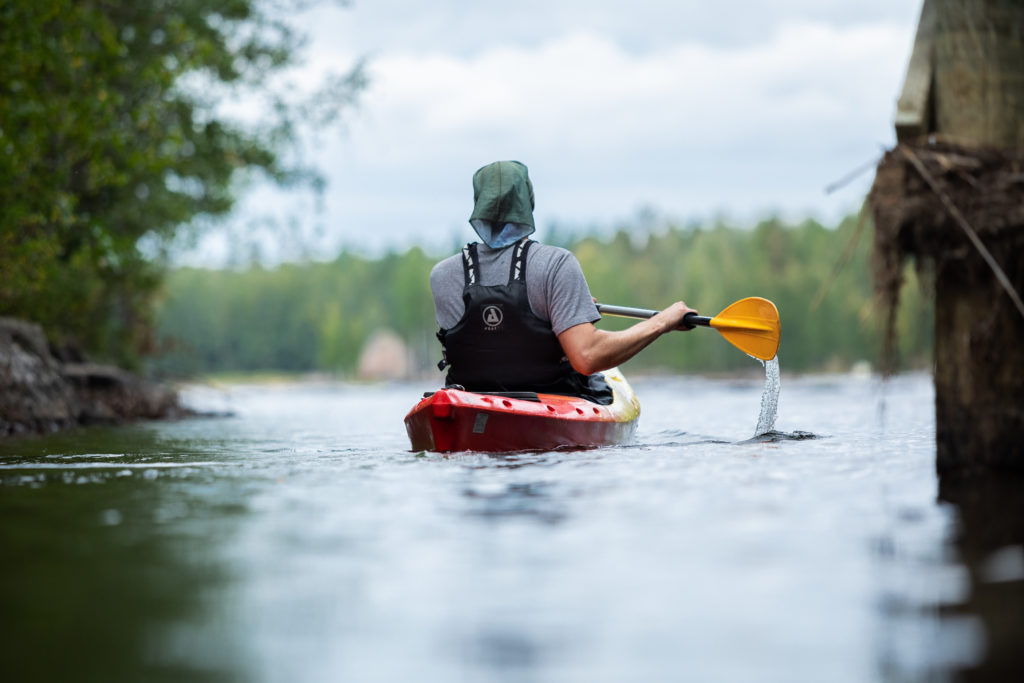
[[498, 235]]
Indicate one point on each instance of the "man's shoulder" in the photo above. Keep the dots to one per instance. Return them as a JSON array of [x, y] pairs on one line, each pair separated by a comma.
[[556, 261], [549, 249], [452, 264], [549, 253]]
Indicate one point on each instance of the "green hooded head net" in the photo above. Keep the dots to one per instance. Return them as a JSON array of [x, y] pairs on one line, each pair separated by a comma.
[[502, 203]]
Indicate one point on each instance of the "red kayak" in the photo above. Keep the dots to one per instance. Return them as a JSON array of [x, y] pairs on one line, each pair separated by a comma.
[[455, 420]]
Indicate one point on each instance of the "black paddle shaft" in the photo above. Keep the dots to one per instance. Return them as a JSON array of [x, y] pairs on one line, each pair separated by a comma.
[[643, 313]]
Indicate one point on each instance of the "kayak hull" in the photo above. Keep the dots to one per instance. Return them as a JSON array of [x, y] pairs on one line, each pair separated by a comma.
[[454, 420]]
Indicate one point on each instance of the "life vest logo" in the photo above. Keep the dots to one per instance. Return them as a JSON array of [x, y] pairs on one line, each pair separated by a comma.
[[492, 317]]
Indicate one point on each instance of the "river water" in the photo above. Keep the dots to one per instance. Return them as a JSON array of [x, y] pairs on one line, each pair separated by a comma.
[[300, 540]]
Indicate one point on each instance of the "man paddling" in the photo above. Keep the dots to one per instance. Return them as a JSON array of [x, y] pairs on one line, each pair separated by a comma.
[[517, 315]]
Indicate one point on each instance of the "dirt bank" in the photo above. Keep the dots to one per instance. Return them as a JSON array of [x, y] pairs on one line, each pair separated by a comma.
[[39, 393]]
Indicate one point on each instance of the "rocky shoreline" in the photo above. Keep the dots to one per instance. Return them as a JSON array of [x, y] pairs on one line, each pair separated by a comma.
[[39, 393]]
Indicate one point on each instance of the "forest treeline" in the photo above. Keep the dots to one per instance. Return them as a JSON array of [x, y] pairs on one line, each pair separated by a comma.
[[319, 316], [113, 147]]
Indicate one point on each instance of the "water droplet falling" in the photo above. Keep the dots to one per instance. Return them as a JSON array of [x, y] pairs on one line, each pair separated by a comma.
[[769, 397]]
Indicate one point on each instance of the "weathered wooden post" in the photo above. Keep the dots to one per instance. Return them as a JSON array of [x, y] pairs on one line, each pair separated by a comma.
[[951, 194]]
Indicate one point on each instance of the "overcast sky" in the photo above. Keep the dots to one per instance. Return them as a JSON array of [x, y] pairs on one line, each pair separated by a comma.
[[692, 108]]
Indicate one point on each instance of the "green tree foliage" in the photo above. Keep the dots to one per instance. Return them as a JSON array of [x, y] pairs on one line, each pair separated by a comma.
[[110, 141], [711, 267], [318, 316], [315, 316]]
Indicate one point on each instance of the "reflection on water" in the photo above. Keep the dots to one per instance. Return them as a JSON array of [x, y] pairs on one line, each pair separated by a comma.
[[102, 575], [301, 540], [990, 544], [537, 500]]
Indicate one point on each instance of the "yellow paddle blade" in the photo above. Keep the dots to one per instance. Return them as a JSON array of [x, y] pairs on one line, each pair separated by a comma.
[[751, 325]]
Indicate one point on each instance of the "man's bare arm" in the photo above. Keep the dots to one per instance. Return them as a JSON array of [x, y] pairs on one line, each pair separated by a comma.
[[591, 350]]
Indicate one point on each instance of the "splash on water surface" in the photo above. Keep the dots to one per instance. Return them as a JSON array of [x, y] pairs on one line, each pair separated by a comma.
[[773, 436]]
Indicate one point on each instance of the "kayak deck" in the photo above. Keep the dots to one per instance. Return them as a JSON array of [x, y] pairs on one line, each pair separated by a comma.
[[456, 420]]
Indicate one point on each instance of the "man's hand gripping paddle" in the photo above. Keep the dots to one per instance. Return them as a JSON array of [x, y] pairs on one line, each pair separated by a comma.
[[751, 325]]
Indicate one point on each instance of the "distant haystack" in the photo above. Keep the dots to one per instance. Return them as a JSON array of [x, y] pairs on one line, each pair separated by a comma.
[[385, 356]]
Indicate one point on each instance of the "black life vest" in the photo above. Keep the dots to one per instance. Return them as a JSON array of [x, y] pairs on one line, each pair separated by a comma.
[[500, 344]]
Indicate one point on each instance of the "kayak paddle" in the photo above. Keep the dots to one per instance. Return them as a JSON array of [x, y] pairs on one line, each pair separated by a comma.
[[751, 325]]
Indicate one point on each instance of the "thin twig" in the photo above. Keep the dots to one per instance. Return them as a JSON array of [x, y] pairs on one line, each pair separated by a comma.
[[962, 222], [852, 175], [843, 260]]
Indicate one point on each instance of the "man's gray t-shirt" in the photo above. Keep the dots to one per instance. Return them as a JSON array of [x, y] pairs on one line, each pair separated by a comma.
[[555, 285]]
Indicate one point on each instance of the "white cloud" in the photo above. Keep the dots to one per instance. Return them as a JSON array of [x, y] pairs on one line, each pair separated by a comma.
[[692, 127]]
